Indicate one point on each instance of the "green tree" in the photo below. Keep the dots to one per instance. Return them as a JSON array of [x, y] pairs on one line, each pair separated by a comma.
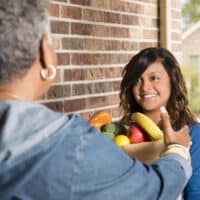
[[191, 11]]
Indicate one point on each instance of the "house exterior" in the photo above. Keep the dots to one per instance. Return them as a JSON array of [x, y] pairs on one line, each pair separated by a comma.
[[95, 39], [191, 47]]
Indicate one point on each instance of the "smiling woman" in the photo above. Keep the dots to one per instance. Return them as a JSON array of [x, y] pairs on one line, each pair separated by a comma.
[[153, 79]]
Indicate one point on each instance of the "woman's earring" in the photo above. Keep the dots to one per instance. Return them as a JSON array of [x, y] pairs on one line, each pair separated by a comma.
[[52, 74]]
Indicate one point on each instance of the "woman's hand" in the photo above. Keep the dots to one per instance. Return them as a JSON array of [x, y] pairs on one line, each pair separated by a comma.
[[181, 136]]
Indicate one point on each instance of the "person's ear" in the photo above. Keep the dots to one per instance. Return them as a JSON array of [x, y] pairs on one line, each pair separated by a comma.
[[48, 59]]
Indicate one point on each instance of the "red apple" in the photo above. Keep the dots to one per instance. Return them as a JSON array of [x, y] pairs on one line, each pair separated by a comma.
[[137, 134]]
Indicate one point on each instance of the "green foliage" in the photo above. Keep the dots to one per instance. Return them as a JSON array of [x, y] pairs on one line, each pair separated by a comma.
[[194, 104], [193, 88], [191, 11]]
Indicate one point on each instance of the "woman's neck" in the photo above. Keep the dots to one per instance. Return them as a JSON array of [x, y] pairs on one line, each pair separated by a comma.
[[154, 115], [10, 95], [11, 91]]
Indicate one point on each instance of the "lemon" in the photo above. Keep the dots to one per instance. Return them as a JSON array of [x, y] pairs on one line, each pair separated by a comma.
[[121, 140]]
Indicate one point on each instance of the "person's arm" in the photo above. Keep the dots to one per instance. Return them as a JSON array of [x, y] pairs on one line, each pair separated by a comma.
[[192, 189], [112, 174]]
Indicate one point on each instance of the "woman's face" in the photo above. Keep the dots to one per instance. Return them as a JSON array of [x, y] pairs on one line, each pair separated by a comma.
[[153, 88]]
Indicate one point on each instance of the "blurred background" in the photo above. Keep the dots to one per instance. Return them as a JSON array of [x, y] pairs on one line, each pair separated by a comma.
[[191, 51]]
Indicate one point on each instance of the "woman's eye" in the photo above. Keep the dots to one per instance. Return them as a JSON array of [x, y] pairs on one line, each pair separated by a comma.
[[154, 77], [137, 82]]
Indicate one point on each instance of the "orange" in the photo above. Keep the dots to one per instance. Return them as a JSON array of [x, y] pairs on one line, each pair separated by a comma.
[[100, 118], [121, 140]]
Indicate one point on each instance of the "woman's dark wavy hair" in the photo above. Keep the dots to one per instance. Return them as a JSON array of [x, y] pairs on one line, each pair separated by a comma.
[[177, 105]]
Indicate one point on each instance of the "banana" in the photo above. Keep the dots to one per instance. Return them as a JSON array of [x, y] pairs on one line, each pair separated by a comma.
[[148, 125]]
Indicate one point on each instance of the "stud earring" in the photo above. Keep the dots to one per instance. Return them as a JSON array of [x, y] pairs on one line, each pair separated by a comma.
[[52, 74]]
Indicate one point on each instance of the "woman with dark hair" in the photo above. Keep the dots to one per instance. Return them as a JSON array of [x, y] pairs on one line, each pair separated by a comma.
[[153, 79]]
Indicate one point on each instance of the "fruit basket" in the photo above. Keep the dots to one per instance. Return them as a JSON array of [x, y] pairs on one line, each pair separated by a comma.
[[145, 151], [142, 140]]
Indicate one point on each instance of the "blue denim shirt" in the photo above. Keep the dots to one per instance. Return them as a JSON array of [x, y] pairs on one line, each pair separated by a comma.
[[46, 155]]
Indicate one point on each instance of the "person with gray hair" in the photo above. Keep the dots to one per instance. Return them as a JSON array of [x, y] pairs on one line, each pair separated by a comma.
[[53, 156]]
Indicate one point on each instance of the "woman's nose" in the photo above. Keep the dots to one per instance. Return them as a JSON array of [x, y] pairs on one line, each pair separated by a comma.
[[145, 86]]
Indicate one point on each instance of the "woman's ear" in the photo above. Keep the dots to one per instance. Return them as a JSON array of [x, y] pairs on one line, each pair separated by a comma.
[[47, 53], [48, 59]]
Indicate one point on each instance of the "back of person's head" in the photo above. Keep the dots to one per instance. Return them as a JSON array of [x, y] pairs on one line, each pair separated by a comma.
[[22, 24]]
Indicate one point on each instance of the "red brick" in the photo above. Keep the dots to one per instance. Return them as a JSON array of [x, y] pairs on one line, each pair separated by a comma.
[[58, 91], [74, 74], [119, 58], [95, 44], [116, 85], [95, 73], [89, 59], [119, 32], [70, 12], [130, 20], [55, 92], [74, 105], [132, 8], [66, 91], [102, 87], [59, 27], [151, 11], [105, 4], [81, 89], [150, 34], [148, 44], [101, 31], [54, 10], [63, 58], [56, 106], [58, 76], [148, 22], [130, 46], [81, 29], [116, 112], [81, 2], [114, 45], [112, 18], [96, 102], [56, 42], [93, 15], [115, 4], [114, 72], [112, 99], [73, 43]]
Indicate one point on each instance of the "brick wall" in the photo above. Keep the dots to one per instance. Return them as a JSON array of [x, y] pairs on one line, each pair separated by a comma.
[[176, 29], [94, 39]]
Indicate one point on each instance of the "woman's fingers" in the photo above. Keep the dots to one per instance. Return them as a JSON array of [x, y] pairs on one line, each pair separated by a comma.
[[180, 137], [166, 124]]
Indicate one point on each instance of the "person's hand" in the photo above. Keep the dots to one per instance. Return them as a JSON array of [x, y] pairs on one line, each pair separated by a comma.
[[181, 136]]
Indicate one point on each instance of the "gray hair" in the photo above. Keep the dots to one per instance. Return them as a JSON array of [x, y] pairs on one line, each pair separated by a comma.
[[22, 23]]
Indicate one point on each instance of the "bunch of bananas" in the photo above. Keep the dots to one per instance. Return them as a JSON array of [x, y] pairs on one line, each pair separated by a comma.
[[148, 125]]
